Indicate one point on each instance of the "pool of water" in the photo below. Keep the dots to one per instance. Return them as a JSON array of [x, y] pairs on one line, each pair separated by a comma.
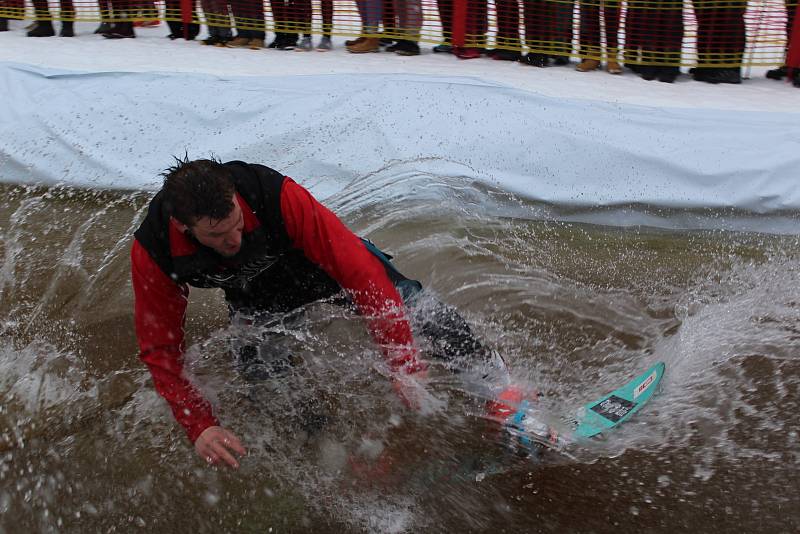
[[575, 309]]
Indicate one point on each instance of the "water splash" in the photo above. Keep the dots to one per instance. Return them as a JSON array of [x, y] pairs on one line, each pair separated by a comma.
[[576, 310]]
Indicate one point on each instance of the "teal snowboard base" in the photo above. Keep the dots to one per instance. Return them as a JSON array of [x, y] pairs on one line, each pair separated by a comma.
[[619, 405], [592, 419]]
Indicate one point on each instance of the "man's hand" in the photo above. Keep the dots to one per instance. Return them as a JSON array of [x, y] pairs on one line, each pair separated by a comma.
[[217, 445]]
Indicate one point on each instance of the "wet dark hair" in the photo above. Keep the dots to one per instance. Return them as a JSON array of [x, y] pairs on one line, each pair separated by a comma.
[[196, 189]]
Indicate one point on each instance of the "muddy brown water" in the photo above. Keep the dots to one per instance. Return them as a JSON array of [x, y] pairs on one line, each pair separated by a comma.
[[87, 446]]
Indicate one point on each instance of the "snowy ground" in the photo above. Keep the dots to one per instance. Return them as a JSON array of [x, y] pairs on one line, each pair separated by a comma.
[[152, 52], [103, 113]]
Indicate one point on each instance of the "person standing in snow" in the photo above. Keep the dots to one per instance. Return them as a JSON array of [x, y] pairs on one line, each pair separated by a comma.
[[371, 13], [44, 27], [250, 25], [591, 40], [653, 40], [409, 22], [218, 21], [305, 15], [721, 40], [783, 71], [17, 5]]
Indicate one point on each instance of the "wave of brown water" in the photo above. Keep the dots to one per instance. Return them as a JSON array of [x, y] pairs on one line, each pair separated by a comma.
[[86, 445]]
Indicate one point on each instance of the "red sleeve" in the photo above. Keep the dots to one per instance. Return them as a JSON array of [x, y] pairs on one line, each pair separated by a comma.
[[326, 241], [159, 312]]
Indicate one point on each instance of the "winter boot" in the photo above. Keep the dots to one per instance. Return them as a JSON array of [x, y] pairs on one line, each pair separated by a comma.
[[588, 65], [3, 24], [406, 48], [722, 75], [305, 44], [213, 40], [44, 28], [443, 49], [648, 72], [369, 44], [778, 74], [289, 42], [67, 29], [612, 65], [104, 27], [536, 60], [699, 73], [239, 42], [324, 44], [668, 74], [506, 55], [120, 30], [353, 42]]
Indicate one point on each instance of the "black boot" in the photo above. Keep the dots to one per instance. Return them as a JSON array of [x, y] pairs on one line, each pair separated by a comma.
[[405, 47], [177, 31], [192, 32], [288, 41], [668, 74], [67, 29], [721, 75], [44, 28], [778, 74], [506, 55], [648, 72], [120, 30], [699, 73], [634, 67], [535, 60], [3, 25], [104, 27]]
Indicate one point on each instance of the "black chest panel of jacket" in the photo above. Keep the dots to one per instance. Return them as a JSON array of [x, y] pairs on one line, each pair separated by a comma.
[[267, 274]]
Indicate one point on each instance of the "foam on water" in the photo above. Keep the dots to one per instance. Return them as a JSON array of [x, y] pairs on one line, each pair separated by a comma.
[[733, 362]]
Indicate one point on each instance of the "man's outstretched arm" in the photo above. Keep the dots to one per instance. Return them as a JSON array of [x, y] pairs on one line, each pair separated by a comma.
[[326, 241], [159, 313]]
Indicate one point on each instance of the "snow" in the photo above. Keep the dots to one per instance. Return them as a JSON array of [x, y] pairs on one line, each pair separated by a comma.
[[152, 52], [90, 111]]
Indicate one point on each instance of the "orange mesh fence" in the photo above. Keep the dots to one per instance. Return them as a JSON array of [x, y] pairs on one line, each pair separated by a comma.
[[723, 33]]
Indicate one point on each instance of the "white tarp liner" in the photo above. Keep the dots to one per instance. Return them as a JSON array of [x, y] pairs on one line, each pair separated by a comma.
[[119, 130]]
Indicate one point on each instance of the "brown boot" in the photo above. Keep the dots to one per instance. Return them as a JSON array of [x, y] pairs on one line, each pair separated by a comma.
[[239, 42], [255, 44], [587, 65], [612, 66], [369, 44], [353, 42]]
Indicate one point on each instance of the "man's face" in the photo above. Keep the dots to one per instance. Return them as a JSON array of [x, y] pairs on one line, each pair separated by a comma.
[[223, 235]]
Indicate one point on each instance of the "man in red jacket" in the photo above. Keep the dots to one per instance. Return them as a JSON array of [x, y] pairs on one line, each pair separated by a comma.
[[272, 248]]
